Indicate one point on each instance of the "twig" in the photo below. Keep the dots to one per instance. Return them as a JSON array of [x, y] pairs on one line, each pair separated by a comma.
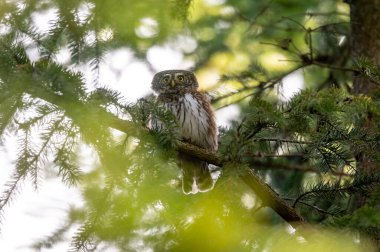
[[341, 189], [312, 206], [258, 164], [272, 199], [330, 24], [265, 155], [348, 69], [310, 44], [263, 85], [258, 209], [321, 13], [261, 12], [281, 140], [296, 22], [297, 52]]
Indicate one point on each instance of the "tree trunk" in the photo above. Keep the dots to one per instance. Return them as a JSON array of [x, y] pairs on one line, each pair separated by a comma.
[[365, 38], [365, 42]]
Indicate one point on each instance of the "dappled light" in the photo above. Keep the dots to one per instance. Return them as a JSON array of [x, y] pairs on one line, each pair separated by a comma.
[[293, 168]]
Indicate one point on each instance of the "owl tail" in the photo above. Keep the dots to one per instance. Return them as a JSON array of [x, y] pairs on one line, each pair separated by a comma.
[[196, 175]]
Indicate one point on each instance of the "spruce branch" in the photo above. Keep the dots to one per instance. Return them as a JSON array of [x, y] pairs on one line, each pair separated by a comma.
[[22, 166], [252, 22], [270, 198], [69, 171], [12, 188], [82, 239], [318, 209], [362, 184], [41, 154], [333, 67], [54, 238], [8, 108], [280, 140], [262, 86], [293, 167]]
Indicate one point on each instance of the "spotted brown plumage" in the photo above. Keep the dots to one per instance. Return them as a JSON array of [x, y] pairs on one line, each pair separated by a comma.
[[177, 92]]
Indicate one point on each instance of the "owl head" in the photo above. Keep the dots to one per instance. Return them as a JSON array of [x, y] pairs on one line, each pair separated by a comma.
[[174, 81]]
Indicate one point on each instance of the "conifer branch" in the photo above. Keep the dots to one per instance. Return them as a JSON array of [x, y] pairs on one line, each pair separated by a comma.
[[22, 166], [33, 164], [280, 140], [265, 165], [333, 67], [268, 196], [262, 86], [12, 185], [360, 184], [82, 239], [320, 210], [252, 22], [70, 172]]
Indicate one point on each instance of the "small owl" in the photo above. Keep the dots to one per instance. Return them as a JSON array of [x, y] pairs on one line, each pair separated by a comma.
[[177, 92]]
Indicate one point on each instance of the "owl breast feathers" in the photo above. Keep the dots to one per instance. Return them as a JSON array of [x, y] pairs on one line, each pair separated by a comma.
[[177, 92]]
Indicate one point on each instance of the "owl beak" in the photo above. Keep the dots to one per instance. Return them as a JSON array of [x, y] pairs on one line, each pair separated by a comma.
[[172, 83]]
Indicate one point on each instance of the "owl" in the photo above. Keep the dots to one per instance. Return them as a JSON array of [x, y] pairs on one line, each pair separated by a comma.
[[177, 92]]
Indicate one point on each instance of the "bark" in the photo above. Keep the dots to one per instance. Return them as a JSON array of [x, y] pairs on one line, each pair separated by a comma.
[[365, 38], [365, 42]]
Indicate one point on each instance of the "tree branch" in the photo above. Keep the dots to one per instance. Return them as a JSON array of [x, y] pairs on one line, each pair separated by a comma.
[[320, 210], [265, 166], [263, 85], [77, 109], [268, 196]]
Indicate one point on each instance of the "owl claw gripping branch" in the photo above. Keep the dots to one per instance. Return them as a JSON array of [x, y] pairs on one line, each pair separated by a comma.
[[177, 92]]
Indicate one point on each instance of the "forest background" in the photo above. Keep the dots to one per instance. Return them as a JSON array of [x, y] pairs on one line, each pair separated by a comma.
[[298, 173]]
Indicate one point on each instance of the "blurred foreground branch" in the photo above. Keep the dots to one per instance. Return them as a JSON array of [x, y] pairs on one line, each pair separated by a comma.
[[80, 110], [268, 196]]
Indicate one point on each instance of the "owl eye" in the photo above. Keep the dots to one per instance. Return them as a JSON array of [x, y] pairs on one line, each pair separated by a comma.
[[181, 78], [166, 79]]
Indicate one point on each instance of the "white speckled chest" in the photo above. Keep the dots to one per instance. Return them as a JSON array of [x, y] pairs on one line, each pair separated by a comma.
[[193, 120]]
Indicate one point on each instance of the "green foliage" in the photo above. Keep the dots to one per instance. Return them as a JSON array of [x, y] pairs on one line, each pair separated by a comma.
[[306, 149], [368, 68]]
